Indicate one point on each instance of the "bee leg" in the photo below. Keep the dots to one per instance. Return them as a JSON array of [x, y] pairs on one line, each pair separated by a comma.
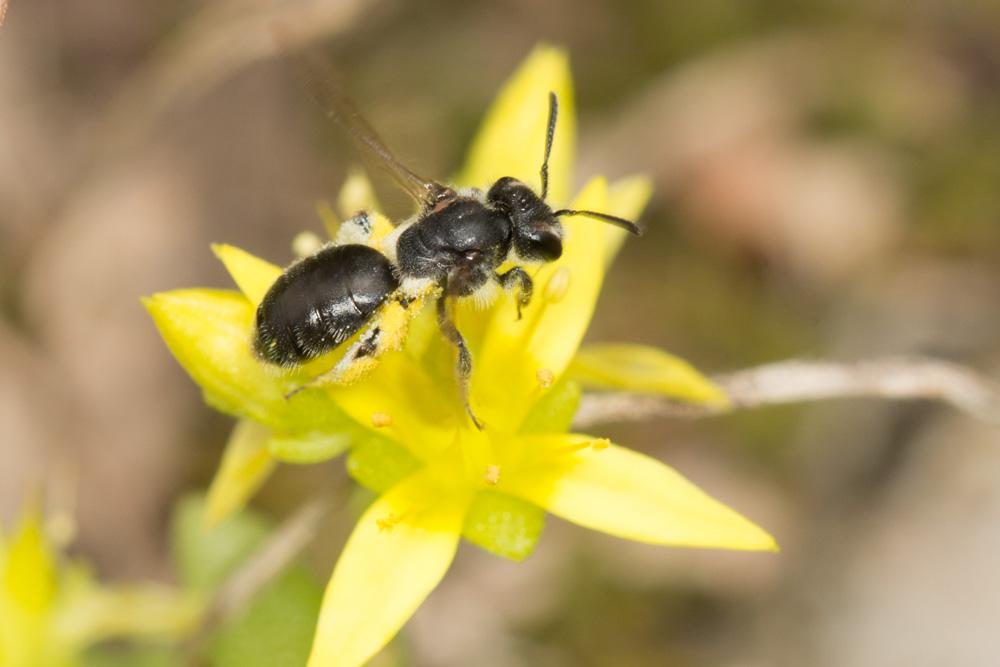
[[364, 350], [463, 370], [525, 285]]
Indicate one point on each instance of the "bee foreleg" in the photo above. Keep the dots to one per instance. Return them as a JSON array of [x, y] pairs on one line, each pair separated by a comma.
[[517, 277], [463, 369]]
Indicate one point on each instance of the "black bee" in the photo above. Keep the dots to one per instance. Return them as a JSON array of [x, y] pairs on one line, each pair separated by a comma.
[[452, 248]]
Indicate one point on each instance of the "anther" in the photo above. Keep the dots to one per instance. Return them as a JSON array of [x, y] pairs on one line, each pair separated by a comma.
[[388, 523], [305, 244], [557, 285], [381, 419], [598, 445], [545, 377], [492, 475]]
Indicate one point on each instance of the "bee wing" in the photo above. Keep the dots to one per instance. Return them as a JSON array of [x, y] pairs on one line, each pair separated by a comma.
[[321, 83]]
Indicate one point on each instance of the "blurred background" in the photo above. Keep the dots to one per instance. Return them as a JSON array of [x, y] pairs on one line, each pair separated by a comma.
[[826, 186]]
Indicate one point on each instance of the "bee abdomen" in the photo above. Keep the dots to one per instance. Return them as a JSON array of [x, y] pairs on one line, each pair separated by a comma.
[[320, 302]]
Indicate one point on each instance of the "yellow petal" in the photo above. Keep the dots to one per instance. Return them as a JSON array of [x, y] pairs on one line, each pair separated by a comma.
[[642, 369], [399, 401], [253, 275], [505, 374], [209, 332], [621, 492], [28, 576], [511, 140], [397, 554], [545, 339], [563, 322], [246, 464]]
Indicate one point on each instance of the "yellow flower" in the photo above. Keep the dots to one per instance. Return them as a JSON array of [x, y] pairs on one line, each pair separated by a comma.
[[51, 611], [439, 477]]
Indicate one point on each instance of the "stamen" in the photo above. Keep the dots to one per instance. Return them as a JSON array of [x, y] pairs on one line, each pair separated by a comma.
[[329, 217], [558, 285], [492, 475], [381, 419], [596, 444], [545, 377]]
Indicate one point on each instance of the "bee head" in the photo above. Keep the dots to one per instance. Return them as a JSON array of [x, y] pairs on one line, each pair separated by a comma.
[[537, 234]]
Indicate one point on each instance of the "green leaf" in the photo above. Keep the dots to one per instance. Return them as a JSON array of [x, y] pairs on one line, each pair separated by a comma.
[[379, 464], [278, 627], [642, 369], [130, 656], [553, 413], [503, 525], [205, 556]]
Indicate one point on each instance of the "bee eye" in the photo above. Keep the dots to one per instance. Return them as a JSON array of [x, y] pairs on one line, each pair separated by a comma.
[[540, 244], [549, 246]]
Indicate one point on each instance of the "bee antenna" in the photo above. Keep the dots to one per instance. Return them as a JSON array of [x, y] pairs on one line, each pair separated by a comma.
[[549, 136], [627, 225]]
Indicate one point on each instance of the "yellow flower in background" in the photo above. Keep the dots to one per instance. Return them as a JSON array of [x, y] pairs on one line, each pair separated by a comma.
[[51, 610], [439, 477]]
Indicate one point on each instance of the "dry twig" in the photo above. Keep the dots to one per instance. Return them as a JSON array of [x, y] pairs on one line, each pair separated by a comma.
[[799, 381]]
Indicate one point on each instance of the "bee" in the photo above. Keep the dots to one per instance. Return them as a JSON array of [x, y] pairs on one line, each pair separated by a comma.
[[451, 249]]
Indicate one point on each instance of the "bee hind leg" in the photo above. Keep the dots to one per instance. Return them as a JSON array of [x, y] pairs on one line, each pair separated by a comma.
[[385, 332], [359, 359], [463, 369]]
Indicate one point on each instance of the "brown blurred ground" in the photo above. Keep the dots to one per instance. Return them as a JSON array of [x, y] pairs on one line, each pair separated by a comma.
[[827, 179]]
